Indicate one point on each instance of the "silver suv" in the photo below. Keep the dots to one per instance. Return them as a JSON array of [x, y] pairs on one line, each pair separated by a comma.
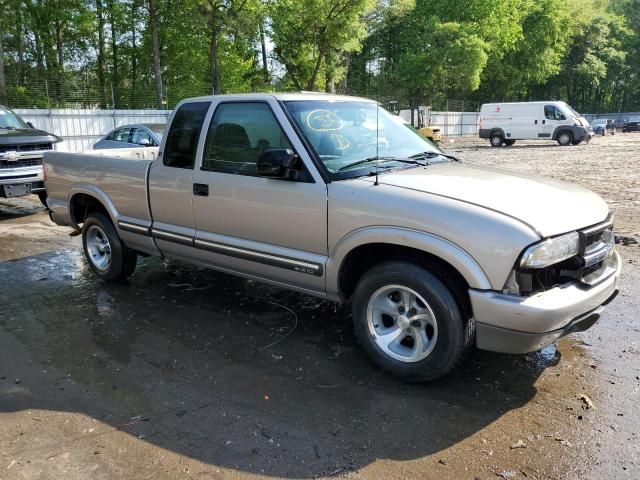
[[336, 197]]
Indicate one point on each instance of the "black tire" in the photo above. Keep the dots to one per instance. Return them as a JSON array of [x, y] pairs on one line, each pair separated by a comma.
[[576, 142], [43, 198], [496, 140], [122, 261], [565, 138], [509, 143], [452, 336]]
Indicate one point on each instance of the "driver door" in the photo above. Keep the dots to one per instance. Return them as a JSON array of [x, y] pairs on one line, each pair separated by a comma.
[[274, 229]]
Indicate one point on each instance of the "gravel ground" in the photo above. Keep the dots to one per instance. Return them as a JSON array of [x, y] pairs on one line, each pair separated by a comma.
[[186, 373]]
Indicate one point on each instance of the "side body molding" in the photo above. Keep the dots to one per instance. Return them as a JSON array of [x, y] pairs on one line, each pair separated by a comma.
[[438, 246]]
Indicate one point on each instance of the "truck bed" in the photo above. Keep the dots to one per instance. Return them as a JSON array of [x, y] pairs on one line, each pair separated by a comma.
[[117, 177]]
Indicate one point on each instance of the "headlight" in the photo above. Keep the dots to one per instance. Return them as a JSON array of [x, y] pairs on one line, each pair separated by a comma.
[[551, 251]]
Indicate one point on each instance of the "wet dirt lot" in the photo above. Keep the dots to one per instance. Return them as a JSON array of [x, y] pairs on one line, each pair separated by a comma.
[[187, 373]]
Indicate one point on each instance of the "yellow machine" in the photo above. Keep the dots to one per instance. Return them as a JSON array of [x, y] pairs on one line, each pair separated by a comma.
[[432, 133]]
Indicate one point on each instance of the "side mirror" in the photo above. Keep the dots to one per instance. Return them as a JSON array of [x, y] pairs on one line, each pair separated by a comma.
[[30, 125], [144, 142], [278, 163]]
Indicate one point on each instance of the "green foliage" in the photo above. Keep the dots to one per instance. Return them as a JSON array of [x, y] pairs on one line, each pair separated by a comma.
[[586, 52]]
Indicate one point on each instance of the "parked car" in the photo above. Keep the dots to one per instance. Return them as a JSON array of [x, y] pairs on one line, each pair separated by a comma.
[[132, 136], [504, 123], [433, 254], [631, 124], [602, 126], [21, 149]]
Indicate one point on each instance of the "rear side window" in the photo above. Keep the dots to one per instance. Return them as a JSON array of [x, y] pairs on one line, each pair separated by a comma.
[[182, 139]]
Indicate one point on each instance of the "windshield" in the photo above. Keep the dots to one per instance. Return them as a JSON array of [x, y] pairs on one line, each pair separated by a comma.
[[10, 120], [343, 133], [571, 110], [157, 129]]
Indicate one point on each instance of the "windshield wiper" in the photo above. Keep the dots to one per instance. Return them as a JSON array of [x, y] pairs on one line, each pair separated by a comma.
[[9, 128], [435, 154], [383, 159]]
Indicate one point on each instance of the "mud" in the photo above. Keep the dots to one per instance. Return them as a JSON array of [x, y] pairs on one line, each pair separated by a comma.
[[187, 373]]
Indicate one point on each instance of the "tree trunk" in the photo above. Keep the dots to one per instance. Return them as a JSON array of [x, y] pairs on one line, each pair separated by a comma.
[[3, 83], [312, 81], [155, 46], [60, 53], [215, 59], [134, 52], [115, 78], [20, 31], [265, 68], [101, 75]]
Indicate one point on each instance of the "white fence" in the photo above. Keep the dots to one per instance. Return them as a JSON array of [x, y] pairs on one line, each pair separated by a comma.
[[450, 123], [81, 128]]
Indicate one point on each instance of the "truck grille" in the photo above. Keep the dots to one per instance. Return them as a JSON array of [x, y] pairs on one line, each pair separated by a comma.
[[597, 243], [23, 162], [32, 147]]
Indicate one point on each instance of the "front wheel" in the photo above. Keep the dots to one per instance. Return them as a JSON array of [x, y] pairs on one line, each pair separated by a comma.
[[565, 138], [496, 140], [408, 321], [107, 256]]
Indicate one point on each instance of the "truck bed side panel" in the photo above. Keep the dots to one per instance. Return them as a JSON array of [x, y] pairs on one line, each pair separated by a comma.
[[120, 184]]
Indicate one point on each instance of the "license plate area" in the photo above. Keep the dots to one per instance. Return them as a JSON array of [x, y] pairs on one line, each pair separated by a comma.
[[20, 190]]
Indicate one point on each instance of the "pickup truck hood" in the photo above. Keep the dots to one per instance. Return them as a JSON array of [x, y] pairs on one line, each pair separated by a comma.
[[549, 207], [25, 136]]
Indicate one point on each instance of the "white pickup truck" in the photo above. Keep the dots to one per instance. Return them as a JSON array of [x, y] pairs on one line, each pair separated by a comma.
[[336, 197]]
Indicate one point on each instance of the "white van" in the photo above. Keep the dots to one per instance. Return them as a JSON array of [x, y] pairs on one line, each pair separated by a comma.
[[504, 123]]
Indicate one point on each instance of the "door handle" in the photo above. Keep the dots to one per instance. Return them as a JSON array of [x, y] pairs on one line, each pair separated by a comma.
[[201, 189], [535, 122], [544, 122]]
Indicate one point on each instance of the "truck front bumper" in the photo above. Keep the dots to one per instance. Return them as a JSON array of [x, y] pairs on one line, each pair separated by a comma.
[[514, 324], [20, 181]]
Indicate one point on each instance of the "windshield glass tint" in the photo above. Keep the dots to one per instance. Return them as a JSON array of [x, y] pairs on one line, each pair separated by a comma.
[[9, 120], [344, 132]]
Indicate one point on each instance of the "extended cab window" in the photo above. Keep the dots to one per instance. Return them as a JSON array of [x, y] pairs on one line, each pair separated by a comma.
[[238, 134], [553, 113], [182, 139]]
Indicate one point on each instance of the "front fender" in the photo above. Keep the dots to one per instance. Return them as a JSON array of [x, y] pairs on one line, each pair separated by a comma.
[[426, 242]]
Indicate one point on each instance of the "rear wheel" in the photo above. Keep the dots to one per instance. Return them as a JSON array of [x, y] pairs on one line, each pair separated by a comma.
[[408, 321], [508, 143], [107, 256], [496, 140], [565, 138]]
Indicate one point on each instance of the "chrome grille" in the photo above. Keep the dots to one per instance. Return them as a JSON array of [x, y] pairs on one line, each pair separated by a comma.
[[597, 244], [22, 162], [31, 147]]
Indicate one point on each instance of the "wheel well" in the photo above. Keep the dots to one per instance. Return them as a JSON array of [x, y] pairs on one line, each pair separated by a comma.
[[364, 257], [496, 131], [82, 205]]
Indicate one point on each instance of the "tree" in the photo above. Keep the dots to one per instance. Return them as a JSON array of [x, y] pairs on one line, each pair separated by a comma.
[[311, 38]]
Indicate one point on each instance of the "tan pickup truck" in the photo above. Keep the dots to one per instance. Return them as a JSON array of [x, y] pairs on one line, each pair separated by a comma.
[[336, 197]]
